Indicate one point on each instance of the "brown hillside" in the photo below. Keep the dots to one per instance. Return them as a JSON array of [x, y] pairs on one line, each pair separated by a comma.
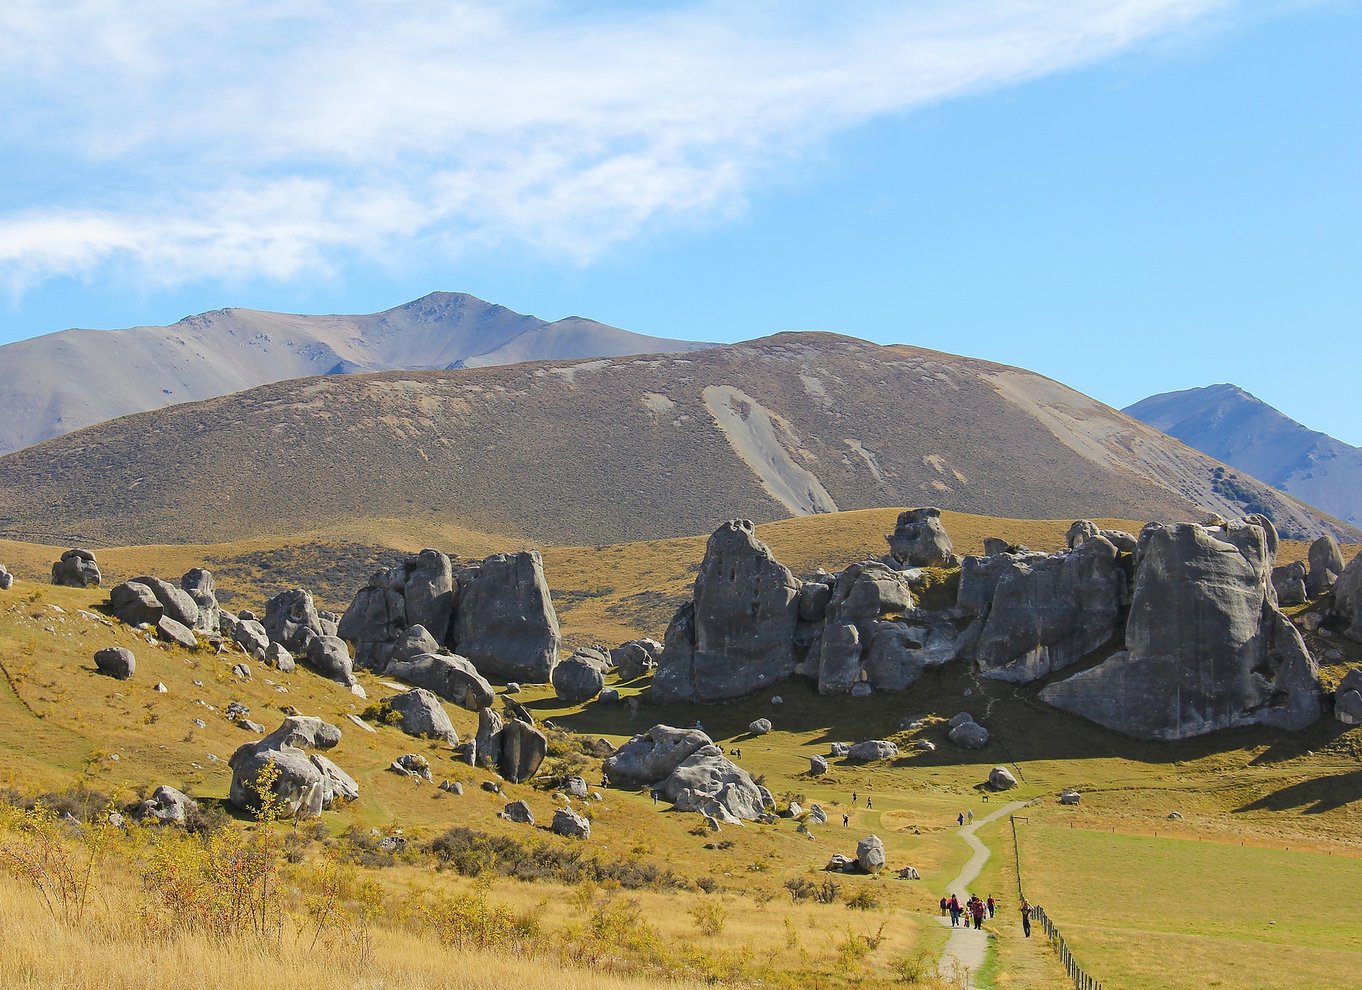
[[610, 450]]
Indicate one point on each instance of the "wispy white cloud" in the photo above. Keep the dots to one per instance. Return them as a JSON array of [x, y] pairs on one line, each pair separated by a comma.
[[242, 138]]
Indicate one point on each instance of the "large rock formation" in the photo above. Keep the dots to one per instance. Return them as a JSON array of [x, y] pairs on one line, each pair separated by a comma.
[[77, 569], [421, 715], [578, 678], [653, 755], [497, 614], [737, 635], [292, 620], [199, 585], [1039, 613], [176, 603], [522, 749], [1206, 646], [1347, 607], [452, 678], [302, 785], [1288, 583], [710, 783], [135, 604], [919, 539], [1326, 564]]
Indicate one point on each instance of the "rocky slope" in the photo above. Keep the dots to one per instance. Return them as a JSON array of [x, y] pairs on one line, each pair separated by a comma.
[[1231, 425], [63, 381], [631, 448]]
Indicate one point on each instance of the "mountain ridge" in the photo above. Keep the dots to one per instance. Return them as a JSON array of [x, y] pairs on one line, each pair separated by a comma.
[[606, 450], [68, 379], [1232, 425]]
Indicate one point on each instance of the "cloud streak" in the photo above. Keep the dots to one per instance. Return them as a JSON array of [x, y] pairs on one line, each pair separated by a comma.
[[244, 139]]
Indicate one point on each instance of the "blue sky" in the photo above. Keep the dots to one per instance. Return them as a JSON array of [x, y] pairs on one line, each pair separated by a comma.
[[1130, 196]]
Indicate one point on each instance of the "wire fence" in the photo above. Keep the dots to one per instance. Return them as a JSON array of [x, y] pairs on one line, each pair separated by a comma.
[[1082, 980]]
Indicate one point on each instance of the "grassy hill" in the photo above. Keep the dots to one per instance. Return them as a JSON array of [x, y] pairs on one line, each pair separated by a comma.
[[1258, 807], [619, 450]]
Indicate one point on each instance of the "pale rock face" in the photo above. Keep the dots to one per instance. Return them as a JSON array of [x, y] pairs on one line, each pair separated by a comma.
[[1326, 564], [920, 540], [707, 778], [653, 755], [1348, 599], [1206, 646]]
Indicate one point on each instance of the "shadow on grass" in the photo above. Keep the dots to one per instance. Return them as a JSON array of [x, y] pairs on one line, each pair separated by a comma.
[[1312, 797]]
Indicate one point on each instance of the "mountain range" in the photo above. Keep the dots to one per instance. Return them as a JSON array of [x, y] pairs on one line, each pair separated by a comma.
[[1234, 426], [613, 449], [62, 381]]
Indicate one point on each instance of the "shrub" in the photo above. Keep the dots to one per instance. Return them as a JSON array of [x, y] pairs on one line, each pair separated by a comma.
[[709, 917], [864, 900]]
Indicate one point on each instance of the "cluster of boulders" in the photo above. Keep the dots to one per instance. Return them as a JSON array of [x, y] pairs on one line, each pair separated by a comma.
[[496, 614], [686, 768], [870, 858], [751, 623], [513, 747], [302, 784], [77, 568]]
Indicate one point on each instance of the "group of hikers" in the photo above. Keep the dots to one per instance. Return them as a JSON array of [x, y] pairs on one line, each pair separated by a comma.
[[975, 910]]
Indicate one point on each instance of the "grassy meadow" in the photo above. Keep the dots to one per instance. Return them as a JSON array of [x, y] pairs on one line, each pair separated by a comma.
[[1269, 820]]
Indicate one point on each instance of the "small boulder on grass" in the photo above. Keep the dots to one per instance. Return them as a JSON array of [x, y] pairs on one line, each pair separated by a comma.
[[567, 822], [116, 661], [760, 727], [1001, 779], [519, 812]]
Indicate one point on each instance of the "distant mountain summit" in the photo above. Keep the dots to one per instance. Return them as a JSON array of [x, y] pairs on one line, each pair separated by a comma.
[[63, 381], [1231, 425]]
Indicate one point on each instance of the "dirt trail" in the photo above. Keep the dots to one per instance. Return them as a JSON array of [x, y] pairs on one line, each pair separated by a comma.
[[966, 949]]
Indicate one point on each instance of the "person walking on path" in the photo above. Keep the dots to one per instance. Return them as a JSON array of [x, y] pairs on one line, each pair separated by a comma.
[[1026, 916], [945, 906], [960, 819], [853, 798], [846, 820], [954, 905], [978, 912], [970, 814], [992, 905], [867, 802]]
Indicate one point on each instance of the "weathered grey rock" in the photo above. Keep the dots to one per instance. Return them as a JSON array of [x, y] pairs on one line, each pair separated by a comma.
[[1288, 581], [413, 765], [338, 787], [841, 864], [202, 589], [873, 749], [760, 727], [6, 579], [311, 732], [818, 766], [250, 636], [1326, 564], [422, 715], [575, 787], [707, 778], [839, 749], [523, 749], [1348, 698], [1069, 796], [170, 631], [979, 577], [301, 789], [868, 592], [504, 618], [1048, 612], [817, 816], [453, 678], [839, 659], [1347, 606], [793, 811], [1001, 779], [813, 601], [959, 718], [280, 659], [518, 812], [969, 735], [415, 641], [919, 539], [175, 602], [737, 635], [330, 657], [568, 823], [1080, 531], [870, 854], [135, 604], [77, 569], [1206, 646], [429, 593], [291, 620], [635, 658], [487, 742], [653, 756], [900, 651], [166, 806], [116, 661], [376, 618], [578, 678]]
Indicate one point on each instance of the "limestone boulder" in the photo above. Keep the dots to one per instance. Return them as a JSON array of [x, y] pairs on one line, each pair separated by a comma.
[[578, 678], [422, 715], [291, 620], [299, 787], [1288, 581], [415, 641], [920, 540], [760, 727], [6, 579], [968, 735], [175, 601], [330, 657], [1001, 779], [249, 634], [1326, 564], [280, 659], [870, 855], [635, 658], [487, 742], [523, 749], [707, 778], [166, 806], [116, 661], [170, 631], [338, 787], [452, 678], [77, 568], [1347, 604], [1348, 698], [377, 616], [135, 604], [519, 812], [567, 822], [900, 651], [202, 589], [429, 593], [504, 621], [736, 636], [1206, 646], [873, 749], [1048, 611], [653, 755]]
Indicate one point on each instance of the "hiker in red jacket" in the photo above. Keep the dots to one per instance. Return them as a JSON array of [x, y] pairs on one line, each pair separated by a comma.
[[954, 905], [978, 911]]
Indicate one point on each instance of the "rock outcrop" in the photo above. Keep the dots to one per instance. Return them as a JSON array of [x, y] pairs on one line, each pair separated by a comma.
[[919, 539], [522, 749], [710, 783], [6, 579], [1206, 646], [578, 678], [135, 604], [1288, 583], [1326, 564], [292, 620], [870, 855], [497, 614], [421, 715], [77, 568], [1348, 698], [202, 589], [1039, 613], [166, 806], [1347, 606], [330, 657], [636, 658], [567, 822], [301, 787], [653, 756], [116, 661], [737, 635], [452, 678]]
